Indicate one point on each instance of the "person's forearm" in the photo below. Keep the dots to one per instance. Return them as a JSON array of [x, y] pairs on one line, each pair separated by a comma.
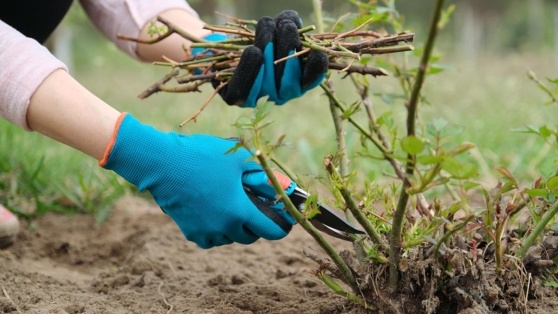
[[171, 46], [65, 111]]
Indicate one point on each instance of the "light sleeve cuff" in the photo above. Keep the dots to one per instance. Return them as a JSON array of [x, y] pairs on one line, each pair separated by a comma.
[[24, 65], [128, 17]]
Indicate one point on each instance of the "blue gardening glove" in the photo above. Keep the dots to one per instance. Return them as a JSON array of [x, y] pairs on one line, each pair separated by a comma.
[[194, 181], [257, 76]]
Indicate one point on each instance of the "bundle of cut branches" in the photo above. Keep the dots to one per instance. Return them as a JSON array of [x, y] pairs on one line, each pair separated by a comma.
[[218, 60]]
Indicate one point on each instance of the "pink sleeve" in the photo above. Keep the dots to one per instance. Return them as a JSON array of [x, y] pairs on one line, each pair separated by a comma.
[[128, 17], [24, 64]]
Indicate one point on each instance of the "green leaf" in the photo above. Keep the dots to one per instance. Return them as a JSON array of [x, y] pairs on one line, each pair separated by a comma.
[[445, 17], [459, 170], [439, 124], [352, 109], [412, 145], [451, 166], [452, 130], [386, 119], [234, 148], [544, 131], [528, 129], [506, 173], [552, 284], [429, 160], [468, 185], [552, 183], [364, 60], [243, 122], [311, 208], [434, 68], [553, 81], [262, 110], [536, 192]]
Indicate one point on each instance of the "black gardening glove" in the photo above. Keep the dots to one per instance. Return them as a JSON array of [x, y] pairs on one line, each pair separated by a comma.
[[257, 76]]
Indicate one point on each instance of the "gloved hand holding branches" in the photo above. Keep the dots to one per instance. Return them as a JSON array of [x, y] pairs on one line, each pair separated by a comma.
[[279, 59], [257, 75]]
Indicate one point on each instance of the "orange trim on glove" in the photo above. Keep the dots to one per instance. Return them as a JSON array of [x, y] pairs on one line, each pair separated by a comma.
[[103, 161]]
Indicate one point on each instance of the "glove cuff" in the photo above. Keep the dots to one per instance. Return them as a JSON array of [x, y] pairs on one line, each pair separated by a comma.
[[103, 161]]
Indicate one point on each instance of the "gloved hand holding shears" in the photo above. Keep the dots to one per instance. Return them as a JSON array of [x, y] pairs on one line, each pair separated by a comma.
[[215, 198], [191, 177], [195, 182]]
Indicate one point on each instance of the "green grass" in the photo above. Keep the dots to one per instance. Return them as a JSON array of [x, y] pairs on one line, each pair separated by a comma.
[[489, 100], [38, 175]]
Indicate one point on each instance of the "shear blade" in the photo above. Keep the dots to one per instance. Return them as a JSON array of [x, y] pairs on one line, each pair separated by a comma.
[[331, 231], [327, 217]]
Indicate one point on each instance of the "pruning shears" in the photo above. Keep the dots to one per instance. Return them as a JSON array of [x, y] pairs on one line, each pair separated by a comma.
[[261, 192]]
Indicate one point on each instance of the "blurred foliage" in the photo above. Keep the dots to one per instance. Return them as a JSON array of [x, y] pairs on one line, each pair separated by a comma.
[[527, 24]]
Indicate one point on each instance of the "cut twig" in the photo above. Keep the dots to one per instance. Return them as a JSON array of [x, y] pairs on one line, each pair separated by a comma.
[[356, 29], [156, 87], [224, 55], [344, 16], [364, 70], [176, 29], [296, 54], [197, 113]]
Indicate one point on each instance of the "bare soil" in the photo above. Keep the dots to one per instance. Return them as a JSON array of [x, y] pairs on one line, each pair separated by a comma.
[[137, 261]]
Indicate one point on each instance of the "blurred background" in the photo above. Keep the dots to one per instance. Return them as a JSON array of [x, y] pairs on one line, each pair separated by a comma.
[[486, 50], [478, 26]]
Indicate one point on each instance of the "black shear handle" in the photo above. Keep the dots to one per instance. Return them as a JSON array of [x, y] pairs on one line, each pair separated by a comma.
[[266, 208]]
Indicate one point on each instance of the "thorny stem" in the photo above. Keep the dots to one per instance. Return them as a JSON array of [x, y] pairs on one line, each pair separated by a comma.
[[539, 228], [304, 223], [365, 97], [382, 41], [197, 113], [339, 132], [451, 232], [384, 50], [335, 114], [397, 222], [364, 70], [335, 35], [285, 170], [180, 31], [386, 154], [338, 54], [155, 87], [351, 205], [542, 86], [217, 45], [218, 29], [338, 290], [354, 30], [182, 88]]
